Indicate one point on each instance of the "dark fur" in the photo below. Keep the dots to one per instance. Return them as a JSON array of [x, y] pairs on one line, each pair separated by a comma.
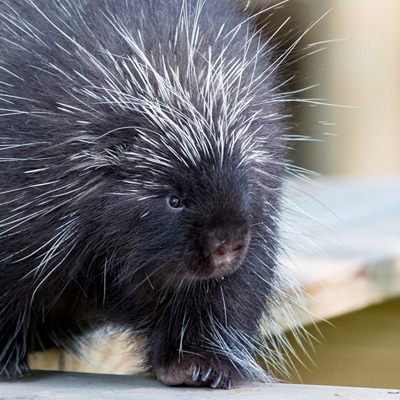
[[126, 261]]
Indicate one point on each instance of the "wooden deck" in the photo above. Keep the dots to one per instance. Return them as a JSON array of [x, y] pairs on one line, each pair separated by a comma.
[[73, 386]]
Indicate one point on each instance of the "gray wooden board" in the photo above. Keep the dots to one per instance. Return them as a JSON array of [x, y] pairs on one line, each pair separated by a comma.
[[75, 386], [338, 218], [343, 242]]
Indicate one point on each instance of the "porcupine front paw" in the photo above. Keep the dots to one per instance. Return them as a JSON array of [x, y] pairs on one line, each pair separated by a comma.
[[14, 369], [196, 373]]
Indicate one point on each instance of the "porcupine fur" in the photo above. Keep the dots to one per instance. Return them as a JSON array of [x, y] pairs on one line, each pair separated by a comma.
[[142, 156]]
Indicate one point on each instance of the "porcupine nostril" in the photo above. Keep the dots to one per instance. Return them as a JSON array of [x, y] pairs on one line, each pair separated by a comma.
[[225, 252]]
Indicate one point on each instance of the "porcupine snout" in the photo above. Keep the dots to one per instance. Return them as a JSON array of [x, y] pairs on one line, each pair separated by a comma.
[[225, 241], [221, 219]]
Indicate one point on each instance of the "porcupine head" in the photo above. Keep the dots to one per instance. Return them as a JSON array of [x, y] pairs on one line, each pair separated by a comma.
[[151, 168]]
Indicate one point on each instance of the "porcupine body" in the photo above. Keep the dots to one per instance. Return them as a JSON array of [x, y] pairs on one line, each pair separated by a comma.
[[141, 162]]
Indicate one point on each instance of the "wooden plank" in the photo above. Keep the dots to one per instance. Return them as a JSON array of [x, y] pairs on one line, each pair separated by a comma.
[[343, 242], [67, 386]]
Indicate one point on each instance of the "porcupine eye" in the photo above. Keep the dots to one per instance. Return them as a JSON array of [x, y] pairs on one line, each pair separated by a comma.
[[175, 202]]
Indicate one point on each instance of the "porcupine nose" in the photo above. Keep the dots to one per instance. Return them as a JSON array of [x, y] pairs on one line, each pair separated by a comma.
[[225, 252]]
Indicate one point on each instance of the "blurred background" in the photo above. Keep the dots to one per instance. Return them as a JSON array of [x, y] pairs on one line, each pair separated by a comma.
[[349, 256], [358, 67], [352, 279]]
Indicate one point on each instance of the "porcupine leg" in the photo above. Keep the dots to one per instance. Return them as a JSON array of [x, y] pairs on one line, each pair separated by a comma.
[[16, 344], [13, 351], [193, 367], [198, 370], [15, 369], [57, 328], [198, 346]]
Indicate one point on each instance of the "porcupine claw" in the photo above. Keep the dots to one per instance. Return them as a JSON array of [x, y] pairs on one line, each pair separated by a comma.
[[206, 374], [202, 375], [196, 372], [217, 381]]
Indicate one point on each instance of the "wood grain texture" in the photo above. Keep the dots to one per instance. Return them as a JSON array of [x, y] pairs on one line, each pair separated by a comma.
[[63, 386], [343, 240]]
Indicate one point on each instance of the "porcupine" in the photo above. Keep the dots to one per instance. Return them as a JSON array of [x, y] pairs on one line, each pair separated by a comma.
[[142, 155]]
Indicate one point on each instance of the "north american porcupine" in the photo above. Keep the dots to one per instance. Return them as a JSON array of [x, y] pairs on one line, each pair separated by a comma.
[[142, 159]]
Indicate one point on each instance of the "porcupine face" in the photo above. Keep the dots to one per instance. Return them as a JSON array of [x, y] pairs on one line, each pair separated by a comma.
[[218, 224], [209, 224], [184, 222]]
